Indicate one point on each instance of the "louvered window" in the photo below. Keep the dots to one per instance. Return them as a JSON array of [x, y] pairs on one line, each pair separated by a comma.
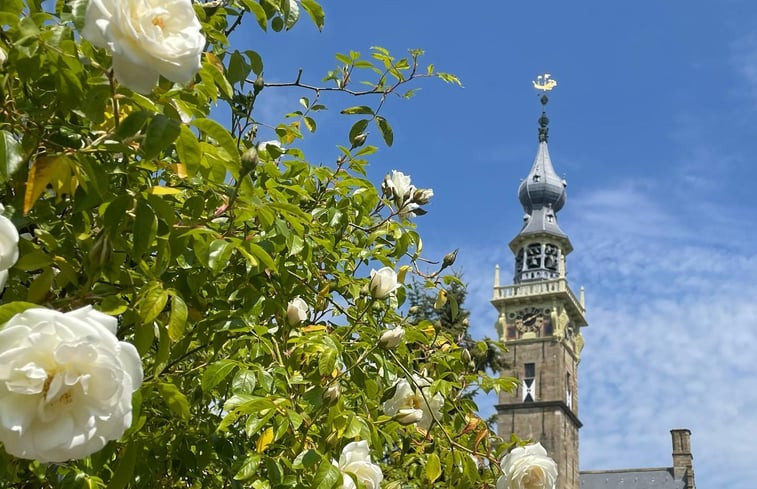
[[529, 383]]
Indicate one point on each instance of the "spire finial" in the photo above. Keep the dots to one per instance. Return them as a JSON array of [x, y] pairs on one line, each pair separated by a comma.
[[545, 83]]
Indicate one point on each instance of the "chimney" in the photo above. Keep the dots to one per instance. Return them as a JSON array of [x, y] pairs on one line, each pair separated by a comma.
[[683, 460]]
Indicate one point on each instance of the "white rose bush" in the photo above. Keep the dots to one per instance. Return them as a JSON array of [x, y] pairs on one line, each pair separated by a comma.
[[190, 302]]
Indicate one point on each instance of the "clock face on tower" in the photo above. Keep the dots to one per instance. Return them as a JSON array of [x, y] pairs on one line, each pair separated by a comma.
[[530, 321]]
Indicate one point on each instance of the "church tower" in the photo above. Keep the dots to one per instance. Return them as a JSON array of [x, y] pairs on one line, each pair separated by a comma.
[[540, 318]]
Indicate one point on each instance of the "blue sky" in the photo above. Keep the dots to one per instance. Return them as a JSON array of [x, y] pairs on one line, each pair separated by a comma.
[[653, 125]]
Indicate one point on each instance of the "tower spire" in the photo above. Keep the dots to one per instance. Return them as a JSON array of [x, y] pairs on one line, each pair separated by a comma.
[[541, 245]]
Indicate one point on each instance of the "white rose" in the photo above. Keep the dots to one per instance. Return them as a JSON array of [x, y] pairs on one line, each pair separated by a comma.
[[3, 278], [3, 56], [409, 416], [356, 460], [423, 196], [65, 383], [408, 406], [391, 338], [383, 282], [332, 393], [8, 246], [297, 311], [408, 210], [527, 467], [400, 185], [148, 38]]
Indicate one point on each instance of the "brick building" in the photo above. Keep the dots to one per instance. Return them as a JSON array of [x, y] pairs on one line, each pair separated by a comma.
[[540, 321]]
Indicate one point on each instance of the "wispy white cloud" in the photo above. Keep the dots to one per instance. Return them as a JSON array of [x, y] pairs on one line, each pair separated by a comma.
[[744, 61]]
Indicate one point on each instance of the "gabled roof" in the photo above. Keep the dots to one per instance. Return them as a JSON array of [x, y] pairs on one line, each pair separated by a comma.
[[656, 478]]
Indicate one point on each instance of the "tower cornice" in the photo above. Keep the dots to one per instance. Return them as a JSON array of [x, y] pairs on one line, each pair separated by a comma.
[[523, 237], [506, 296], [539, 406]]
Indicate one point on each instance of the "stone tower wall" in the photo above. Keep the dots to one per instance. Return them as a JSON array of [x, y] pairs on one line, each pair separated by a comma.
[[546, 419]]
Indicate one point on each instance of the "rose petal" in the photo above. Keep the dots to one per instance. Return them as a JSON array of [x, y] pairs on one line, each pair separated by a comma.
[[136, 77]]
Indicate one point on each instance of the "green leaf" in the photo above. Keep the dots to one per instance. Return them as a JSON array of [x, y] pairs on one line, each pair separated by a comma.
[[11, 156], [327, 359], [254, 423], [358, 109], [114, 211], [239, 68], [291, 12], [256, 62], [450, 78], [220, 135], [309, 123], [175, 400], [188, 149], [216, 373], [35, 260], [144, 335], [261, 254], [358, 128], [454, 307], [127, 460], [315, 11], [433, 468], [153, 302], [131, 125], [353, 427], [259, 13], [327, 476], [40, 286], [386, 130], [78, 11], [10, 309], [160, 133], [177, 323], [244, 382], [145, 229], [219, 252], [249, 468], [215, 69]]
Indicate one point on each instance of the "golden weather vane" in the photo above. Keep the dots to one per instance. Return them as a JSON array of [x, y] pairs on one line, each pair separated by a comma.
[[544, 82]]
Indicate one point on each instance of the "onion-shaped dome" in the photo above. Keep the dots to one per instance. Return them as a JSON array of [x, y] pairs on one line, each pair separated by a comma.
[[542, 187]]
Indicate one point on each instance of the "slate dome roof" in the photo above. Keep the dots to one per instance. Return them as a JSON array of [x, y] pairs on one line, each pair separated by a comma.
[[542, 187]]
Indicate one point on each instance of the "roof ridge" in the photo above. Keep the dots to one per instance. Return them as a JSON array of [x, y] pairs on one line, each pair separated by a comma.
[[615, 471]]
